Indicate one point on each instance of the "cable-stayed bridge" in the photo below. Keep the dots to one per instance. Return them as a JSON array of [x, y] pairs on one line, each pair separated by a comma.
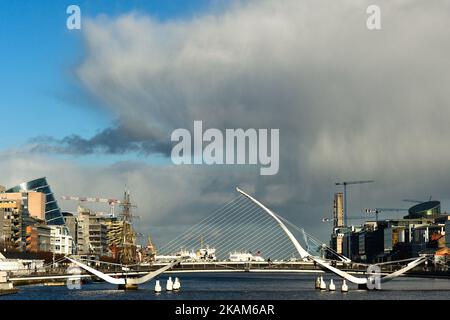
[[243, 225], [246, 224]]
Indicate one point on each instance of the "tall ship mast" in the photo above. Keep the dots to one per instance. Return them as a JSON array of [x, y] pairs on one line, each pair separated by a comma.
[[128, 246]]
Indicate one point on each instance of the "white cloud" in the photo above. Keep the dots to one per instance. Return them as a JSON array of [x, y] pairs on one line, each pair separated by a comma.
[[350, 103]]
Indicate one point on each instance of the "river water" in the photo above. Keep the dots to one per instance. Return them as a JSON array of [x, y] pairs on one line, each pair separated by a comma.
[[230, 286]]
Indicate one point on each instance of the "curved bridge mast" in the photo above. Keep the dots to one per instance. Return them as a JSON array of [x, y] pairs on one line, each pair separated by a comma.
[[305, 255]]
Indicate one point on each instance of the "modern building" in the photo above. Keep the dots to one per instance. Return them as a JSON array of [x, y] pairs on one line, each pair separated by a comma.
[[33, 203], [350, 243], [340, 242], [338, 210], [426, 233], [28, 206], [422, 230], [447, 233], [83, 221], [43, 238], [91, 234], [38, 238], [370, 244], [338, 237], [24, 213], [428, 209], [61, 241], [53, 215], [393, 235], [71, 222], [11, 223]]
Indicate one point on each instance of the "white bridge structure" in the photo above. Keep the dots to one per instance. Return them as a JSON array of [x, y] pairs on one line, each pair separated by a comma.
[[125, 283], [246, 224], [305, 255]]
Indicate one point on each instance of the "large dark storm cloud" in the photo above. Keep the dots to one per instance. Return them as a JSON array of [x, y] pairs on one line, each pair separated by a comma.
[[119, 139], [350, 103]]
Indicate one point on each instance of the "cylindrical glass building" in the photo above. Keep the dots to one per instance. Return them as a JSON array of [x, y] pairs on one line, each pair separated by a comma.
[[428, 209]]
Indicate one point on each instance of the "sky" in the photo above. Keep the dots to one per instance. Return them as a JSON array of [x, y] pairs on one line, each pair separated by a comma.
[[39, 56], [93, 109]]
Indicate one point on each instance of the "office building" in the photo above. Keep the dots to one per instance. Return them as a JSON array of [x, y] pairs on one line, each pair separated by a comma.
[[422, 231], [61, 241], [91, 234], [428, 209], [447, 233], [71, 222], [38, 238], [11, 223], [18, 210], [53, 215]]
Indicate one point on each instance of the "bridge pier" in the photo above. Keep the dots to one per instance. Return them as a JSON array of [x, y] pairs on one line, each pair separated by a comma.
[[128, 286], [6, 286], [363, 286]]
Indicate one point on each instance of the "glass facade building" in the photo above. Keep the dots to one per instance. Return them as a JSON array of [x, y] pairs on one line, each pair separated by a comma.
[[428, 209], [53, 215]]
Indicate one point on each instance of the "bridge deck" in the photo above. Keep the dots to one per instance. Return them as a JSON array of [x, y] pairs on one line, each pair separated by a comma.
[[225, 266]]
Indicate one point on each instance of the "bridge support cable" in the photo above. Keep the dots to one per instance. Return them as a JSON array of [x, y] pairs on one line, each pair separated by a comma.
[[241, 226], [259, 232], [280, 248], [303, 253], [215, 217], [207, 225], [213, 228], [232, 229], [317, 242]]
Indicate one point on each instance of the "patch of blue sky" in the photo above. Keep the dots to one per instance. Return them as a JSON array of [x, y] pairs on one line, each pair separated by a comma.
[[39, 92]]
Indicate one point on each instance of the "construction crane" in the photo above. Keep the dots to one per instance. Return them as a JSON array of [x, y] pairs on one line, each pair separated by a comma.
[[111, 202], [411, 200], [127, 254], [351, 218], [345, 184], [417, 201], [380, 210]]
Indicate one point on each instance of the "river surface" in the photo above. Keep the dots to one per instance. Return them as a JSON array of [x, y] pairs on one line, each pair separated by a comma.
[[230, 286]]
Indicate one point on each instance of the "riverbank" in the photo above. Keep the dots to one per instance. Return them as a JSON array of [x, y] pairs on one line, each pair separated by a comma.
[[7, 288], [6, 292]]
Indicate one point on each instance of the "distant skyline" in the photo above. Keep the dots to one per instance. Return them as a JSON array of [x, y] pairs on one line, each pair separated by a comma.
[[93, 109]]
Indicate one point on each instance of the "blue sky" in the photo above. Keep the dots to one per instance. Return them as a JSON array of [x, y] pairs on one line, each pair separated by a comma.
[[38, 56]]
